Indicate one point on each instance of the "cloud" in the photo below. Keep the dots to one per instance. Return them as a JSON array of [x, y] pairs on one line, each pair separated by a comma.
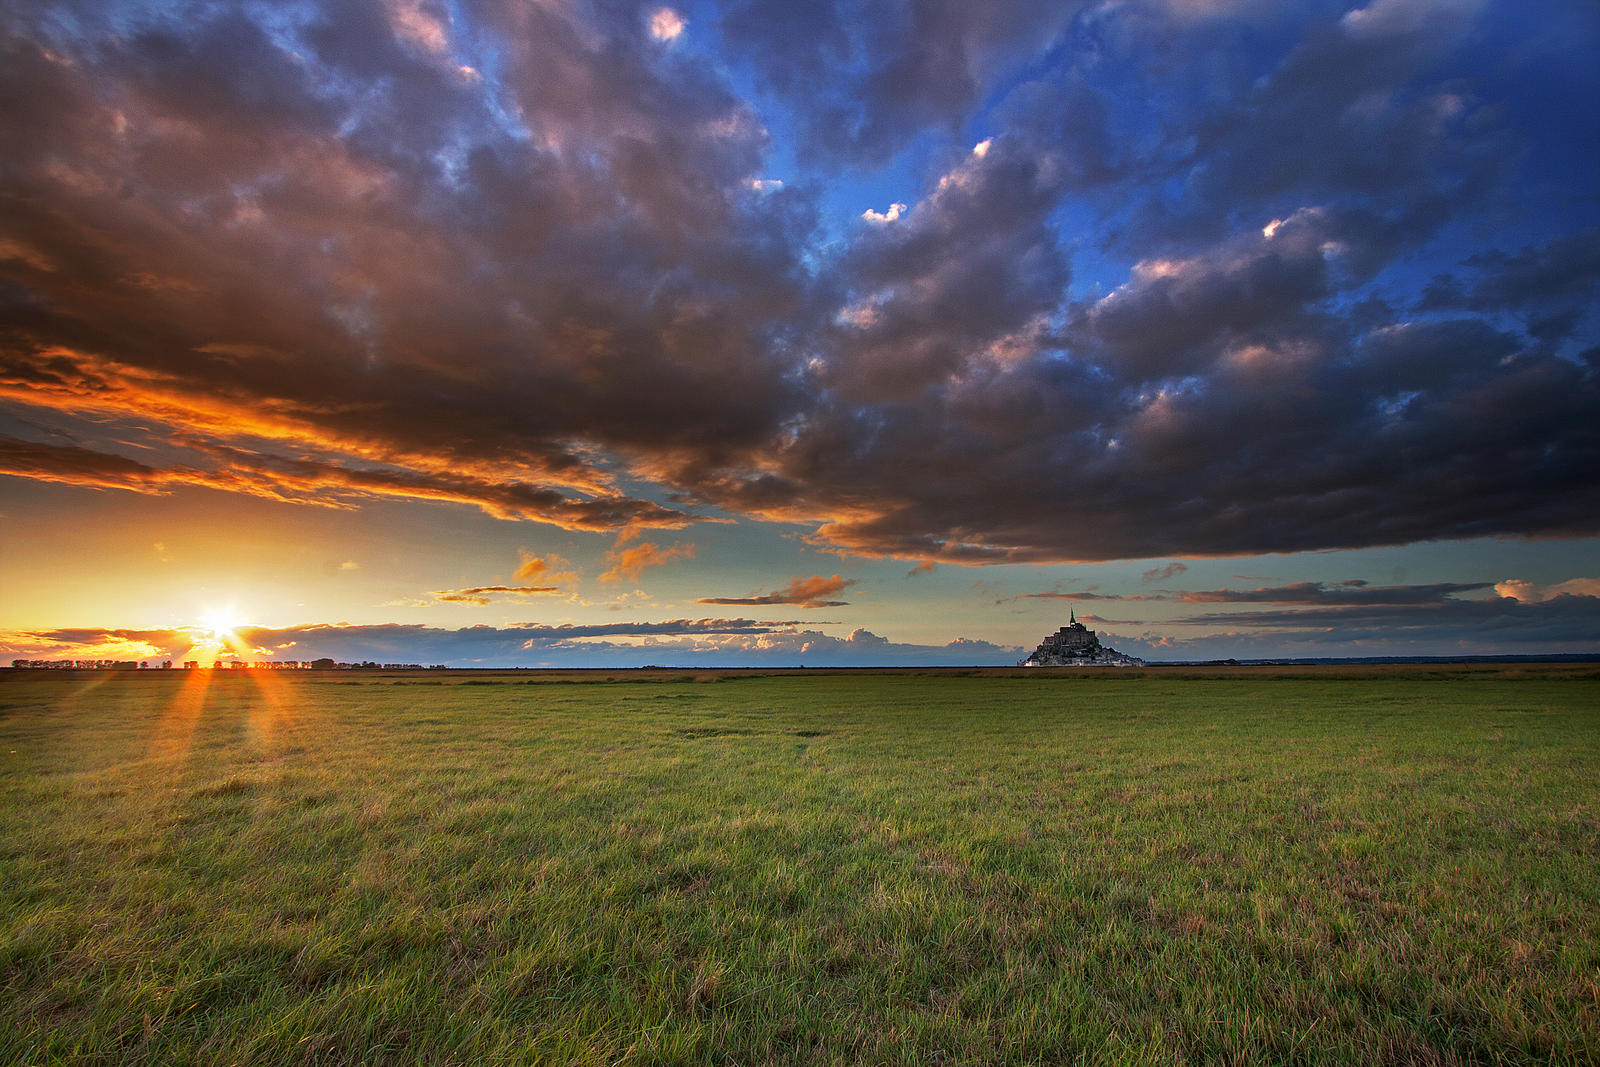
[[1434, 617], [486, 594], [550, 567], [1170, 308], [94, 644], [709, 642], [805, 592], [1483, 629], [1356, 593], [1531, 593], [1391, 17], [914, 316], [313, 262], [875, 76], [1550, 284], [418, 26], [1058, 595], [388, 642], [1202, 9], [862, 648], [1226, 415], [1562, 624], [1101, 620], [627, 564], [1356, 618], [70, 465], [324, 484], [1161, 574], [1363, 106], [666, 24]]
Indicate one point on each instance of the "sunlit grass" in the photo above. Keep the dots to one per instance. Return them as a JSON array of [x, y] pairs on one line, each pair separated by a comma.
[[215, 867]]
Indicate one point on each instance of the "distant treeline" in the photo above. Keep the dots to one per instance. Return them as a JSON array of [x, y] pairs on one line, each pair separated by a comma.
[[86, 664], [234, 665]]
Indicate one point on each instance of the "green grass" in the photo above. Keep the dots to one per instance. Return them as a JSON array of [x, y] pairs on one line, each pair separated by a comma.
[[1393, 867]]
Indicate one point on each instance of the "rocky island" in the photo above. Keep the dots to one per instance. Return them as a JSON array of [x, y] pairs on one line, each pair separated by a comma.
[[1075, 645]]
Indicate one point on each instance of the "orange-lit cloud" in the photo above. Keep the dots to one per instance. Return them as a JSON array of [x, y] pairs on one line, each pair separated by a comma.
[[92, 645], [327, 484], [1533, 593], [484, 594], [629, 563], [189, 404], [549, 567], [77, 466], [806, 592], [96, 644]]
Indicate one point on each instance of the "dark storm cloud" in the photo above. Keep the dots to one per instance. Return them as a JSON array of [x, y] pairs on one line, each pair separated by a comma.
[[1229, 410], [876, 75], [1368, 106], [1562, 270], [519, 257], [1552, 284], [1175, 315], [272, 251], [919, 315]]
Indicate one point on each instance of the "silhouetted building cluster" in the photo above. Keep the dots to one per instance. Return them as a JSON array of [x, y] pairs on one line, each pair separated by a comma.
[[1075, 645]]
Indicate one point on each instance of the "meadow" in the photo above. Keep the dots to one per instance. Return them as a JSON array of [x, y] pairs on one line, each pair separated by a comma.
[[941, 867]]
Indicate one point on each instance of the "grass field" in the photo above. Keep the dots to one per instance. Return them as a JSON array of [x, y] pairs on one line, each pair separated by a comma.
[[1358, 866]]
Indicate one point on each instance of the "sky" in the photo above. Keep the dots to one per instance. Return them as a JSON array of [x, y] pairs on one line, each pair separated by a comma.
[[602, 333]]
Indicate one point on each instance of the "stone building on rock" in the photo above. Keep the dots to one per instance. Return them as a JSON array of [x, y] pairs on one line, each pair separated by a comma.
[[1075, 645]]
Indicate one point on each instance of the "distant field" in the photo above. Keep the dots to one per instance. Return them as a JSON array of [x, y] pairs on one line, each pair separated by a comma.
[[1231, 865]]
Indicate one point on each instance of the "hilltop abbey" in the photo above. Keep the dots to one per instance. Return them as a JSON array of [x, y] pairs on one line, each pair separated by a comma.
[[1075, 645]]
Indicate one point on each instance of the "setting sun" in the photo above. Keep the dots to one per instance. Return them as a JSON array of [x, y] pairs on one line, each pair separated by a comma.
[[220, 624], [217, 632]]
